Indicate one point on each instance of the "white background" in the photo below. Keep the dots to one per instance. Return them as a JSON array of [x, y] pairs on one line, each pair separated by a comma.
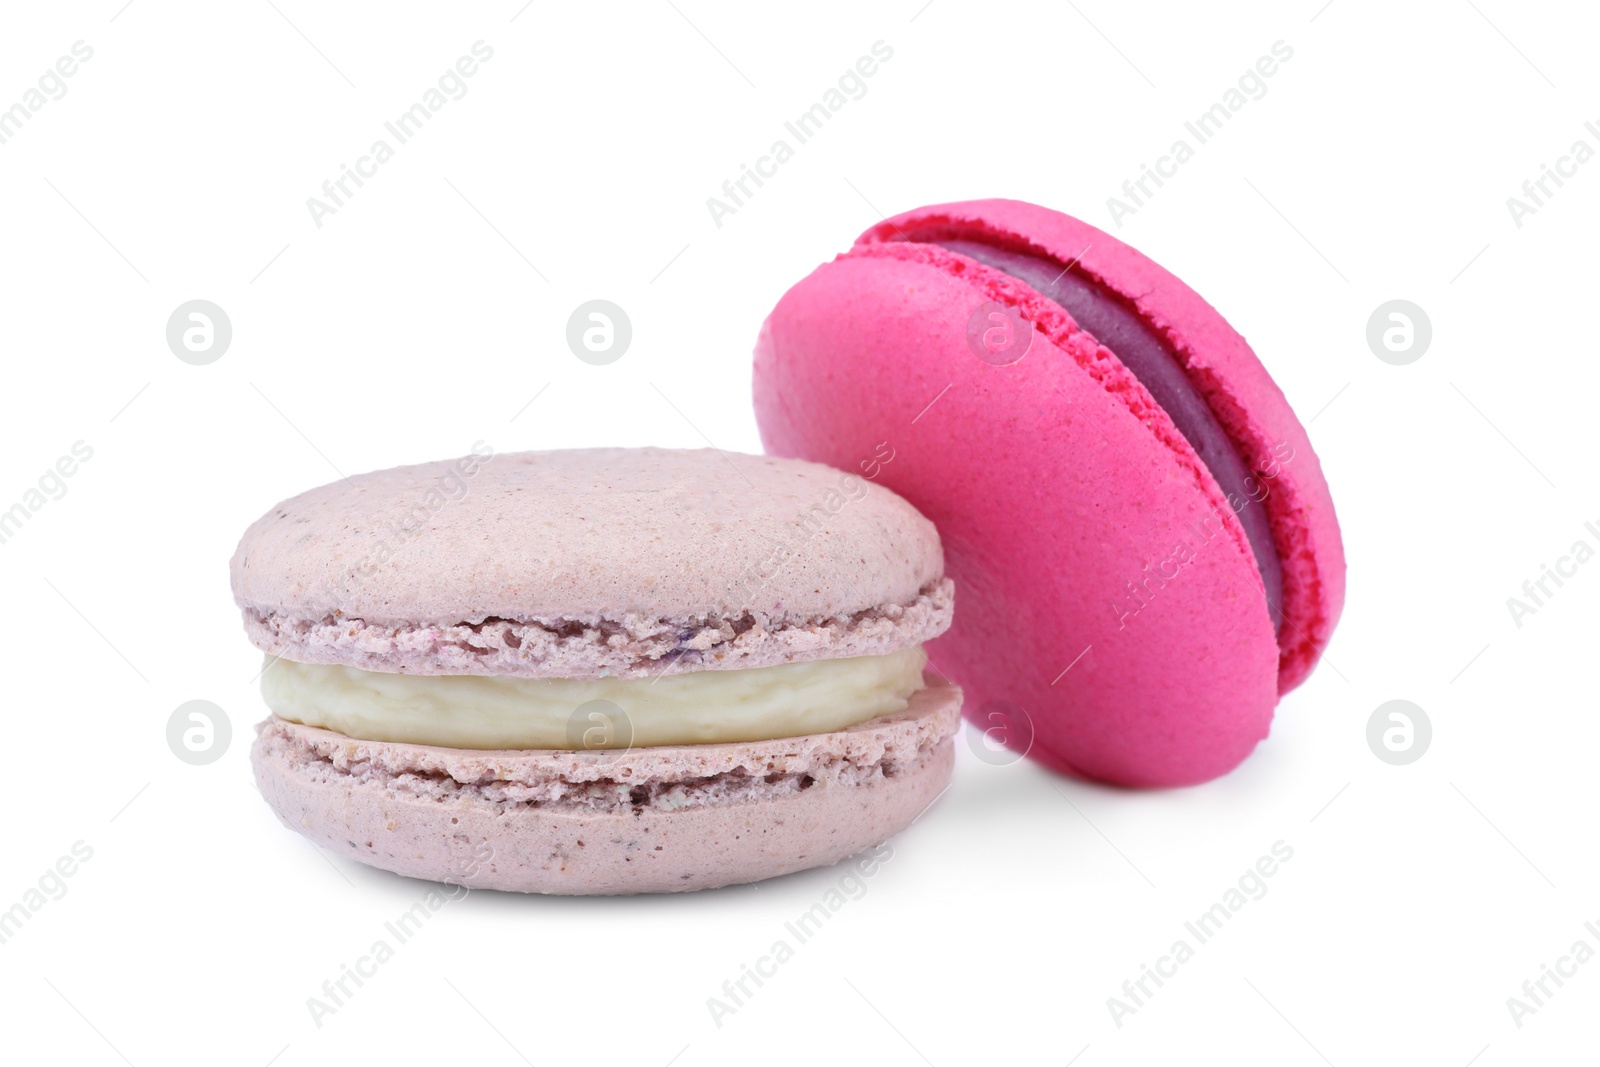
[[431, 308]]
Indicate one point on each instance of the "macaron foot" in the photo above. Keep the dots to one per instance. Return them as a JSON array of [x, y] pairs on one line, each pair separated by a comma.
[[649, 820]]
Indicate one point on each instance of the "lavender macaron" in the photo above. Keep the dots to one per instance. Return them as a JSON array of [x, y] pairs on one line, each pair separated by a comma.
[[599, 671]]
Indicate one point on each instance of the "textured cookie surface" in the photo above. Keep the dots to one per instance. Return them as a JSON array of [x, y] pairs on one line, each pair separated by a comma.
[[658, 819], [591, 562]]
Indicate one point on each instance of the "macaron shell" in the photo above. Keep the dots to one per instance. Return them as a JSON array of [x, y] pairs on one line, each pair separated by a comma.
[[1227, 372], [573, 823], [1050, 490], [584, 536]]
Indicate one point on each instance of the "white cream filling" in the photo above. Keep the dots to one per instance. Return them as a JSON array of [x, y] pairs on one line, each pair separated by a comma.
[[489, 712]]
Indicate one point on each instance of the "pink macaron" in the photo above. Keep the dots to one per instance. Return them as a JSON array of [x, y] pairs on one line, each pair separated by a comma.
[[598, 671], [1146, 547]]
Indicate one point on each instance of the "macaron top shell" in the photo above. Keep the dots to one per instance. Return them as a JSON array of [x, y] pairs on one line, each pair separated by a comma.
[[1219, 362], [591, 562]]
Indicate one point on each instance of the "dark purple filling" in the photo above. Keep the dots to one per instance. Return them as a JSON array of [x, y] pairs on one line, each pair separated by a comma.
[[1148, 357]]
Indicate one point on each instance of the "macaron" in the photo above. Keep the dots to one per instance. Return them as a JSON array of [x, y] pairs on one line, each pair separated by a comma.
[[599, 671], [1146, 546]]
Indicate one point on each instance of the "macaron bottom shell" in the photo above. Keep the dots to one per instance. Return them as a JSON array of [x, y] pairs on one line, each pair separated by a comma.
[[665, 819]]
